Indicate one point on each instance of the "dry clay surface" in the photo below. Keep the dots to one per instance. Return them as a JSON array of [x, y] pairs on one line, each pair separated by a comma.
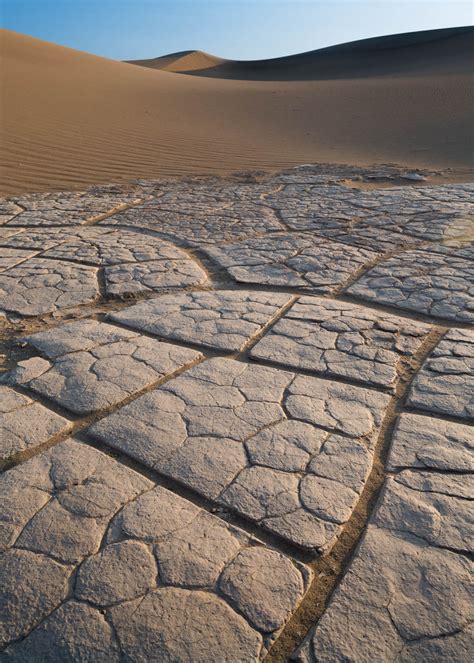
[[215, 389]]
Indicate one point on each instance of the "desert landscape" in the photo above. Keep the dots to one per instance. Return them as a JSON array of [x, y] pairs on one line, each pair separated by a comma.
[[78, 119], [237, 376]]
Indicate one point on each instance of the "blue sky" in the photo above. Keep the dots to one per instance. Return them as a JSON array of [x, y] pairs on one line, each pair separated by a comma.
[[241, 29]]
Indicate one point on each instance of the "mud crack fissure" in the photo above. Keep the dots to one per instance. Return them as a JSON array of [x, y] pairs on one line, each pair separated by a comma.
[[274, 363]]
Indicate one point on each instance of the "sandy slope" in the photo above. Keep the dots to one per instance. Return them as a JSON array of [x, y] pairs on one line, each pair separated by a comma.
[[431, 52], [186, 62], [69, 118]]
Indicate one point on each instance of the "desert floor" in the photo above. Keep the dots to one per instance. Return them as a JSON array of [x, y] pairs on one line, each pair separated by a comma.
[[236, 414]]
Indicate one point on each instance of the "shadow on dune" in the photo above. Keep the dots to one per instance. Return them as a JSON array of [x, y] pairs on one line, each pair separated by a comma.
[[71, 118], [433, 51]]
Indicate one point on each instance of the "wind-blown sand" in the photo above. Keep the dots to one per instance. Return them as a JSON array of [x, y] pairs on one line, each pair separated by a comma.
[[69, 118], [432, 52]]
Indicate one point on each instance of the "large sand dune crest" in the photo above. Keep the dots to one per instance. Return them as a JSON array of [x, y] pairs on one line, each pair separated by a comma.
[[184, 62], [432, 52], [69, 118]]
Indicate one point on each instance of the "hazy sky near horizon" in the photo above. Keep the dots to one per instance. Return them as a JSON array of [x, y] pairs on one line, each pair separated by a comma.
[[239, 29]]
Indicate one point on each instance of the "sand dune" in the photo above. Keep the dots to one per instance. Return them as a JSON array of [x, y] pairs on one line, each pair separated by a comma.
[[431, 52], [184, 62], [69, 118]]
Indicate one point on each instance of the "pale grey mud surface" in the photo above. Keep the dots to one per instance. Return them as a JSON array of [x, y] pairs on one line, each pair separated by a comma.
[[342, 339], [236, 420], [290, 452]]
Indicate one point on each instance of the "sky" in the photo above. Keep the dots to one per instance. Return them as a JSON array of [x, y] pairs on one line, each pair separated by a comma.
[[237, 29]]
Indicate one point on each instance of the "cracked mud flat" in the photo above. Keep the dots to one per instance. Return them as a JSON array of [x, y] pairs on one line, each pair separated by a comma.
[[237, 421]]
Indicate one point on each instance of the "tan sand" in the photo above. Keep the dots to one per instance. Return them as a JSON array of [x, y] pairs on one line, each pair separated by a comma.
[[69, 118], [431, 52]]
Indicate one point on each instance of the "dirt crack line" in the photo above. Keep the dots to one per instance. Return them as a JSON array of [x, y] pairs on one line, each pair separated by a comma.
[[115, 210], [330, 569], [366, 267], [80, 423], [182, 490]]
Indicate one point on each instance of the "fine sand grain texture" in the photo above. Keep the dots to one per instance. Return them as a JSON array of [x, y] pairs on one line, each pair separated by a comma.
[[69, 118]]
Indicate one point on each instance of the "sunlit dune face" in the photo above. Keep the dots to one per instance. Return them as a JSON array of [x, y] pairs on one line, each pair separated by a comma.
[[70, 118]]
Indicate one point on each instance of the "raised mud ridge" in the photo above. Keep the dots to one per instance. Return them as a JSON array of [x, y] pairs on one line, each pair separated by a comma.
[[237, 420]]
